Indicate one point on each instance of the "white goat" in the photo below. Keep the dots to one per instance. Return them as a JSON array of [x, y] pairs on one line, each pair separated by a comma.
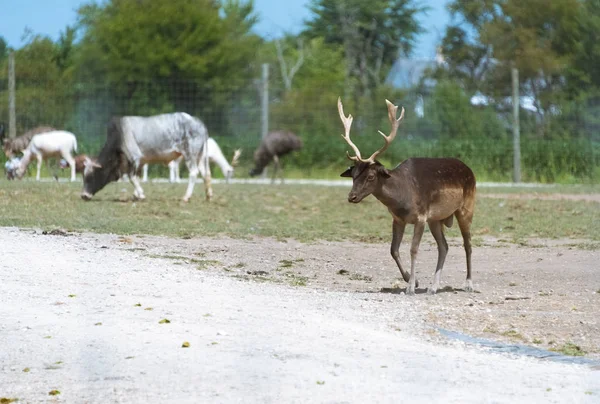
[[215, 155], [49, 144]]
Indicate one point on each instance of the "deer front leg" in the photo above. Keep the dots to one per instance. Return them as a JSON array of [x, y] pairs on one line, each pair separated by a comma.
[[414, 249], [138, 192], [397, 234], [437, 231]]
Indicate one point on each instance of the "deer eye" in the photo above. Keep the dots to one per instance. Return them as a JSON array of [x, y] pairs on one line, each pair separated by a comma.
[[370, 177]]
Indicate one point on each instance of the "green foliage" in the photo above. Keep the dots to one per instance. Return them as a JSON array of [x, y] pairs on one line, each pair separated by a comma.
[[42, 97], [199, 51], [537, 37], [466, 63], [132, 40], [584, 71], [3, 49], [372, 34], [456, 118], [65, 48]]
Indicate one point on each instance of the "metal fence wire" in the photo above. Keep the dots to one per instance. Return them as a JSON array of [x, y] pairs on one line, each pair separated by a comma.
[[234, 119]]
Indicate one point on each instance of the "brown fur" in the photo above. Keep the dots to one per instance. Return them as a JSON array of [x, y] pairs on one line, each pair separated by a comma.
[[79, 163], [11, 147], [419, 191]]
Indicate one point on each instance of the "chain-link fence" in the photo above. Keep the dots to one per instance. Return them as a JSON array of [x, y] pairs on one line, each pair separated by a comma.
[[434, 125]]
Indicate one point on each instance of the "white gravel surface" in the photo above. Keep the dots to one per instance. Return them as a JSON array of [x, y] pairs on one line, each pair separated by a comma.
[[68, 314]]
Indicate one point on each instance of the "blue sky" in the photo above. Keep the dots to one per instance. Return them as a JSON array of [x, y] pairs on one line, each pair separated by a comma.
[[49, 17]]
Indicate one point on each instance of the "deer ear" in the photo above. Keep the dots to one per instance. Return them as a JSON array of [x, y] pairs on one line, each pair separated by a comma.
[[347, 173], [381, 170]]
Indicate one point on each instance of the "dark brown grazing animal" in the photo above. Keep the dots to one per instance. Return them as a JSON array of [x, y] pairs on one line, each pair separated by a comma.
[[274, 145], [418, 191], [13, 146]]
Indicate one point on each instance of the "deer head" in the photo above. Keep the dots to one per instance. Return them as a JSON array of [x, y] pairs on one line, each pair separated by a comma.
[[367, 174]]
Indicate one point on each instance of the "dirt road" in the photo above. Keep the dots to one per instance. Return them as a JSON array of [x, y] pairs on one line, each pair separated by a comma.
[[81, 314]]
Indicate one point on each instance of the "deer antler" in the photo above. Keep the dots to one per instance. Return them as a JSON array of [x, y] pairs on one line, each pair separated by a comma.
[[347, 124], [236, 157], [392, 110]]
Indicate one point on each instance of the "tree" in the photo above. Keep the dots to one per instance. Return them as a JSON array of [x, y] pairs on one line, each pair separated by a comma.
[[538, 37], [372, 35], [65, 48], [584, 73], [288, 74], [188, 55], [134, 39], [41, 88], [3, 49]]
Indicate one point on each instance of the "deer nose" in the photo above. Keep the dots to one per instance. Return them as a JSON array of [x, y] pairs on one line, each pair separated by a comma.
[[352, 197]]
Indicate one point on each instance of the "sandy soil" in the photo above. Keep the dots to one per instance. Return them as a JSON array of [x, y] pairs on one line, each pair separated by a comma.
[[545, 294], [273, 321]]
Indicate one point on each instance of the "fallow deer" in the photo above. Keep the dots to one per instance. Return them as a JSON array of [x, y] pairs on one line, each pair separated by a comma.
[[417, 191]]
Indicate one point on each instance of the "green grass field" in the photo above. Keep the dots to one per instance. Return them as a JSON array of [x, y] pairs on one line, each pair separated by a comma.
[[305, 213]]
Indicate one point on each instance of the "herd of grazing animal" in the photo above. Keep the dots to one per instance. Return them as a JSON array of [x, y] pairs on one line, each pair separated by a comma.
[[132, 143], [418, 191]]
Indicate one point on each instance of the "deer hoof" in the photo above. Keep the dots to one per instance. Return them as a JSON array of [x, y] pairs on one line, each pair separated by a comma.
[[469, 287], [410, 291], [431, 291]]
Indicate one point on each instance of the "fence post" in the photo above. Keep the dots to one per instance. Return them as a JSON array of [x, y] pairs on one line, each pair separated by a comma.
[[516, 127], [12, 118], [265, 106]]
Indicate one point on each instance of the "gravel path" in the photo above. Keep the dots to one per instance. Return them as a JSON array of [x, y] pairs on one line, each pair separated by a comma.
[[70, 316]]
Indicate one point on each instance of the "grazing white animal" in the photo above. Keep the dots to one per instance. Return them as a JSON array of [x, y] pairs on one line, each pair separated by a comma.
[[133, 141], [11, 166], [215, 155], [50, 144]]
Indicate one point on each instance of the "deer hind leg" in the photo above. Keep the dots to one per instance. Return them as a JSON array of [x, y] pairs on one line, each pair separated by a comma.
[[275, 168], [280, 164], [39, 166], [414, 249], [177, 163], [193, 175], [204, 168], [145, 173], [69, 159], [464, 222], [397, 234], [437, 230], [207, 176]]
